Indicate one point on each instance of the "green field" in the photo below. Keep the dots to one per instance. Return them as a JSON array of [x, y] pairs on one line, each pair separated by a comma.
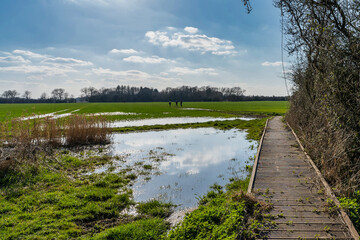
[[148, 110]]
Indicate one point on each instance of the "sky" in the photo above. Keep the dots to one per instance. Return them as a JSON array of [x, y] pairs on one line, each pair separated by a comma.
[[72, 44]]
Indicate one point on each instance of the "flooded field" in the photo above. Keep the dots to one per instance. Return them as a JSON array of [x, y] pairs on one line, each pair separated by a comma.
[[172, 120], [180, 165]]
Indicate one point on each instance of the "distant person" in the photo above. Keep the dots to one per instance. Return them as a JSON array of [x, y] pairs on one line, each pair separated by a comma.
[[169, 103], [180, 103], [176, 103]]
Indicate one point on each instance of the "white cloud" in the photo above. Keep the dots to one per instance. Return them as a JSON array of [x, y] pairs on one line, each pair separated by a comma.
[[273, 64], [151, 60], [47, 70], [29, 54], [95, 2], [222, 52], [191, 30], [191, 42], [124, 51], [67, 61], [13, 59], [133, 77], [40, 64], [128, 73], [189, 71]]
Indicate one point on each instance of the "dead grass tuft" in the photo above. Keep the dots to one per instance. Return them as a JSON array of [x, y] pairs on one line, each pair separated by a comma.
[[21, 141]]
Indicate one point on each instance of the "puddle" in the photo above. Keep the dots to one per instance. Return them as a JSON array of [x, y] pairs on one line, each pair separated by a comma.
[[180, 165], [198, 109], [42, 115], [112, 114], [64, 114], [55, 115], [171, 120]]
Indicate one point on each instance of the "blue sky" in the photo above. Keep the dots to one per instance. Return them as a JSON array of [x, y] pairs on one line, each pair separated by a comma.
[[46, 44]]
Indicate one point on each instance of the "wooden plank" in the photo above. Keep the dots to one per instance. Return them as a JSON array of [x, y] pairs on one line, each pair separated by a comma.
[[309, 220], [290, 225], [284, 177], [298, 234], [253, 174], [329, 191]]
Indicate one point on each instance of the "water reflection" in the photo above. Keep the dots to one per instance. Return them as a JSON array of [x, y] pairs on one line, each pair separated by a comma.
[[186, 161], [171, 120]]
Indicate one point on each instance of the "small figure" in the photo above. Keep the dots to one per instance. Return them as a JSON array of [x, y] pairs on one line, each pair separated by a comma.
[[180, 103], [176, 103], [169, 103]]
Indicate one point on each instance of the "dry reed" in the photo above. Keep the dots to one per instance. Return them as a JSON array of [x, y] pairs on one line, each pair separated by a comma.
[[23, 140], [81, 130]]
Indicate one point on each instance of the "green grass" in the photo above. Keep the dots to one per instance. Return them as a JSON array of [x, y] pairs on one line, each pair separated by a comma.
[[149, 110], [223, 214], [144, 229], [154, 208], [55, 201]]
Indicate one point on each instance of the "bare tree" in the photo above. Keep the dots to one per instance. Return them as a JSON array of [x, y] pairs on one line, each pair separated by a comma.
[[88, 92], [27, 95], [10, 94], [58, 94], [247, 5], [43, 96]]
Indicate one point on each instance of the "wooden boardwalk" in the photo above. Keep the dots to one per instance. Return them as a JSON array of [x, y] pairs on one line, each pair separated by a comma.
[[284, 176]]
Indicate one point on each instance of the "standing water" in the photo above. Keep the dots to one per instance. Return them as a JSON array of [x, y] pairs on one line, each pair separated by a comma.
[[183, 163]]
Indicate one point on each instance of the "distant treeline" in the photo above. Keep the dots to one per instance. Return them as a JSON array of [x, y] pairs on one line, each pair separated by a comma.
[[144, 94]]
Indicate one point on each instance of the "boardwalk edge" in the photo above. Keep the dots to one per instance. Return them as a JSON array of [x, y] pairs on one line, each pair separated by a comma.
[[328, 190], [253, 173]]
